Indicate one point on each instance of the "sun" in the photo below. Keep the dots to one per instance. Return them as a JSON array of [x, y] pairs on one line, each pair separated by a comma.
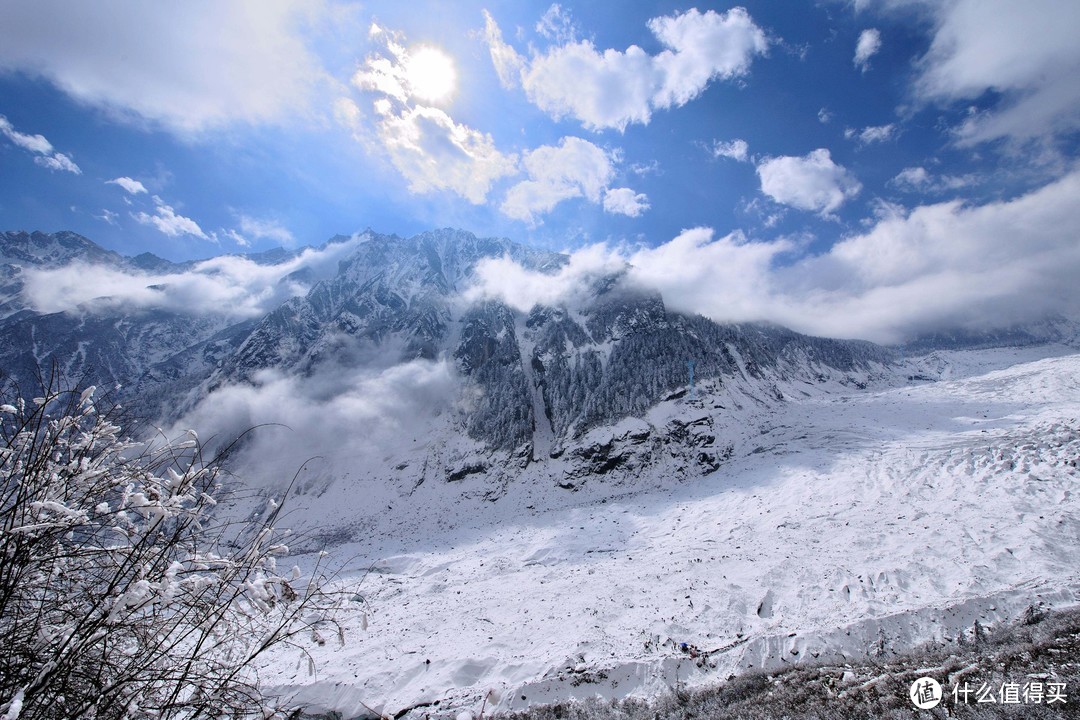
[[430, 74]]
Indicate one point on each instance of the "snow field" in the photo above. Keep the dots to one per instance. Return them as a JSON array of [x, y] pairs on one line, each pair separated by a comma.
[[856, 518]]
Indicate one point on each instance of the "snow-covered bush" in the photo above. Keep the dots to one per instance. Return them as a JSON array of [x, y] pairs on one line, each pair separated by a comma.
[[121, 594]]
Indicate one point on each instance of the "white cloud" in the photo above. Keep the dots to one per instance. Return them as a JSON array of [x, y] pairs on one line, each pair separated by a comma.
[[812, 182], [1027, 52], [824, 116], [226, 285], [624, 201], [573, 168], [108, 216], [386, 74], [704, 47], [872, 134], [189, 65], [133, 187], [504, 279], [724, 278], [236, 238], [44, 153], [33, 143], [602, 90], [168, 222], [428, 147], [508, 64], [912, 177], [341, 420], [934, 267], [612, 88], [58, 161], [736, 150], [258, 229], [557, 26], [347, 112], [869, 44], [433, 152], [919, 179]]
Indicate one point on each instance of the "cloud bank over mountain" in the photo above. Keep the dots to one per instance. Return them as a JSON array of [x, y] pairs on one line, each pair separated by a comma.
[[932, 267]]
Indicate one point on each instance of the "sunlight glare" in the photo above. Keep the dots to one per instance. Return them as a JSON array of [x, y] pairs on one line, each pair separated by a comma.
[[430, 73]]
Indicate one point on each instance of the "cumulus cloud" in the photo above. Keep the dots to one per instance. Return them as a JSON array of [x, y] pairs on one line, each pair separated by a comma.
[[44, 154], [624, 201], [735, 149], [934, 267], [228, 285], [613, 88], [433, 152], [573, 168], [167, 221], [868, 46], [812, 182], [1026, 52], [178, 64], [133, 187], [872, 134]]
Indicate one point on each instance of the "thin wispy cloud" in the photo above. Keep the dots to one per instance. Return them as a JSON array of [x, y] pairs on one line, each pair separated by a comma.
[[133, 187], [872, 134], [268, 229], [737, 149], [229, 285], [167, 221], [44, 153]]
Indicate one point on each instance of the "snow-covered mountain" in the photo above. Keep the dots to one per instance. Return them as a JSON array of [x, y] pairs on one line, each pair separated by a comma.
[[845, 523], [542, 376], [552, 498]]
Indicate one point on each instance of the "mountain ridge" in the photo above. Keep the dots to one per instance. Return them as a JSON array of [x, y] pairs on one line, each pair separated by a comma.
[[544, 377]]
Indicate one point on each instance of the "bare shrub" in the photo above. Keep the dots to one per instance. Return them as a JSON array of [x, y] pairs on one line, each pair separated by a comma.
[[121, 594]]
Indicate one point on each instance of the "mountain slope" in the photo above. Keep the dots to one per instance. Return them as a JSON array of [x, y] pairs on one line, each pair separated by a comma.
[[844, 521], [573, 487]]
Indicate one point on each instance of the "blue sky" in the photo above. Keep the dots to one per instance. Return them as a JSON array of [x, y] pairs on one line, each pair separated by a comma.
[[833, 153]]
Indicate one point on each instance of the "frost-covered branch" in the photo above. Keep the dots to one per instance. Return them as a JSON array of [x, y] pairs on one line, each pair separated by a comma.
[[121, 593]]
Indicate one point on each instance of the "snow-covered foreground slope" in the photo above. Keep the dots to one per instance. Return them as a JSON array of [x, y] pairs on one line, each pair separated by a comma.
[[844, 519]]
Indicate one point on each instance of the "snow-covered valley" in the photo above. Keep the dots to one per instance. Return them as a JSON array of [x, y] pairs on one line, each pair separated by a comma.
[[844, 519]]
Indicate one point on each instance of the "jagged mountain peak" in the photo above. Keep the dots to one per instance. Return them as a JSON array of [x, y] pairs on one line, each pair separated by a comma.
[[51, 249]]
